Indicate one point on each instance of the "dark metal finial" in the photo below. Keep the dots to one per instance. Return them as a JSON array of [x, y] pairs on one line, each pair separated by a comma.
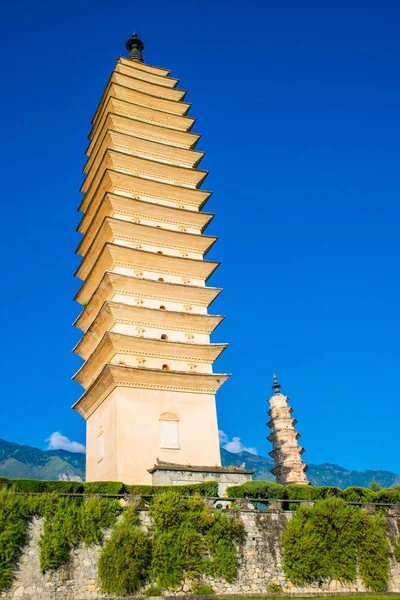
[[135, 47], [276, 386]]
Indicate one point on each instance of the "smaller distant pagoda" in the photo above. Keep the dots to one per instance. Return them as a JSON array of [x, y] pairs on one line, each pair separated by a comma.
[[286, 451]]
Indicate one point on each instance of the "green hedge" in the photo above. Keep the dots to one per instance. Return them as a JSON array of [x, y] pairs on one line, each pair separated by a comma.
[[104, 487], [208, 488], [269, 490], [29, 486], [256, 489]]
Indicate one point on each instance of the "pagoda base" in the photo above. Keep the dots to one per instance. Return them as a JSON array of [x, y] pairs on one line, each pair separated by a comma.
[[165, 473]]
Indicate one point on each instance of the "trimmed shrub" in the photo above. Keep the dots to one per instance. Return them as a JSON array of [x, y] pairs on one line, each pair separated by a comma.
[[38, 486], [104, 487], [358, 494], [256, 489], [298, 491], [386, 495], [329, 491], [208, 488]]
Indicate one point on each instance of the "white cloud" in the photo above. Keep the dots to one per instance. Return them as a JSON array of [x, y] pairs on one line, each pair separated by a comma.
[[61, 442], [234, 445], [223, 438]]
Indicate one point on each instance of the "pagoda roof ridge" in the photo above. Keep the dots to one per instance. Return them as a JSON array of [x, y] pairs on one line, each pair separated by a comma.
[[190, 120], [110, 278], [167, 233], [147, 204], [84, 205], [136, 100], [168, 466], [111, 132], [112, 376], [162, 78], [140, 159]]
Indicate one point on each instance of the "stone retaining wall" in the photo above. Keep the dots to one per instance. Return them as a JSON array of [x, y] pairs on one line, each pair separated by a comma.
[[259, 565]]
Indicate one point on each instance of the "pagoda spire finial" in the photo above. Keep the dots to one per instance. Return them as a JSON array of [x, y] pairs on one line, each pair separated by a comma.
[[275, 385], [135, 47]]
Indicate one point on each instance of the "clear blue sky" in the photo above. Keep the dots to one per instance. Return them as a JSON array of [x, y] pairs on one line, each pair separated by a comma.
[[298, 107]]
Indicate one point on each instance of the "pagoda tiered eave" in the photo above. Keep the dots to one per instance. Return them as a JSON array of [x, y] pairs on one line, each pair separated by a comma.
[[115, 285], [114, 255], [116, 314], [114, 376], [126, 88], [139, 146], [132, 186], [287, 469], [138, 84], [131, 210], [145, 167], [113, 344], [122, 66], [145, 67], [121, 106], [128, 234], [280, 452], [177, 111], [117, 120]]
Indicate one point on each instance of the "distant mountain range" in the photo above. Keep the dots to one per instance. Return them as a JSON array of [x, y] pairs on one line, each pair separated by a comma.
[[325, 474], [26, 462]]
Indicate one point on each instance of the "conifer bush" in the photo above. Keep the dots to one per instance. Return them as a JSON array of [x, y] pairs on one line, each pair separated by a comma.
[[256, 489], [184, 531], [74, 520], [328, 541], [358, 494], [397, 550], [373, 548], [13, 534], [125, 560]]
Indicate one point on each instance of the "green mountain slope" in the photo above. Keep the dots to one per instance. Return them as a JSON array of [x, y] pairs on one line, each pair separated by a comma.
[[24, 461]]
